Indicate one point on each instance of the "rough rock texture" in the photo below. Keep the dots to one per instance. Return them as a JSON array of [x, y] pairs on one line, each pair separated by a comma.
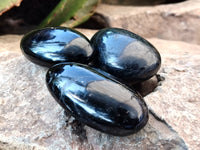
[[29, 114], [174, 21], [31, 119], [10, 43], [177, 100]]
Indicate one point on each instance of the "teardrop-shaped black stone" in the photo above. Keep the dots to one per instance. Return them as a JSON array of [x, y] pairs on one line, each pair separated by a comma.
[[125, 55], [50, 46], [97, 100]]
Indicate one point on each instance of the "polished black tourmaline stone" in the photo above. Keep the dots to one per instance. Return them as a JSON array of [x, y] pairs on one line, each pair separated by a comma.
[[50, 46], [97, 100], [125, 55]]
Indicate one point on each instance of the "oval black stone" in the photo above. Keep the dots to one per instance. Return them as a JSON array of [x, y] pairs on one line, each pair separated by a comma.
[[125, 55], [97, 100], [50, 46]]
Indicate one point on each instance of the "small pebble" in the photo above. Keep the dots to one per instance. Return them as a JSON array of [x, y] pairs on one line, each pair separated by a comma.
[[125, 55], [49, 46]]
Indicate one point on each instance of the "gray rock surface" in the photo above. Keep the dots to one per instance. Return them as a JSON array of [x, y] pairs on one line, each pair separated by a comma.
[[10, 43], [31, 119], [179, 21], [177, 100], [29, 114]]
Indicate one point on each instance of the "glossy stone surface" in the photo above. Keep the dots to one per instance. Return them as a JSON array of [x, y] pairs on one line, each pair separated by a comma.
[[125, 55], [50, 46], [97, 100]]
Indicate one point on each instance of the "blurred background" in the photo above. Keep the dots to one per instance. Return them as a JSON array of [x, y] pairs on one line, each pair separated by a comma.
[[165, 19], [20, 16]]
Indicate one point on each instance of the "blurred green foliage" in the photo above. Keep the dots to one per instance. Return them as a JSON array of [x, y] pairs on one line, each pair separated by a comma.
[[70, 12]]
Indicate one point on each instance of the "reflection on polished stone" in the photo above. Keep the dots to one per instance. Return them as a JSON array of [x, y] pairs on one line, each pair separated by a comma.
[[50, 46], [125, 55], [96, 99]]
